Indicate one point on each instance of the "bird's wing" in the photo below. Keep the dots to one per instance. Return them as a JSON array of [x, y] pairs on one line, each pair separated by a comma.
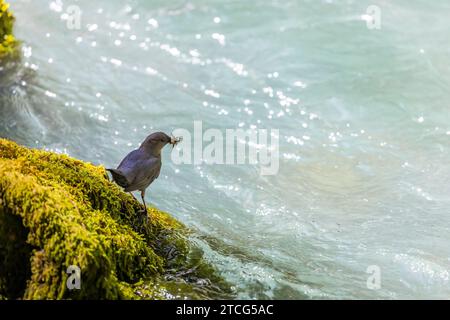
[[144, 172], [151, 166], [129, 160]]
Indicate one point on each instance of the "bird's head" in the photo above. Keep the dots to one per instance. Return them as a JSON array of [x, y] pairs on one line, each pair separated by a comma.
[[156, 141]]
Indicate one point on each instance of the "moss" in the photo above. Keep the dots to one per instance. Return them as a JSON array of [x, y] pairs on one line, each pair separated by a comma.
[[56, 211], [8, 43]]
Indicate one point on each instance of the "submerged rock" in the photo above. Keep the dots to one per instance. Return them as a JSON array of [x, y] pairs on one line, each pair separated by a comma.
[[56, 212]]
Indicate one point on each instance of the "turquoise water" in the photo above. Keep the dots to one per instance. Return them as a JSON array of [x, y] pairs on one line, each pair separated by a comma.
[[363, 117]]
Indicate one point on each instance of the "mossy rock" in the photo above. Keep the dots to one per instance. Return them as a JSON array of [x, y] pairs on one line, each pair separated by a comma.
[[8, 44], [56, 211]]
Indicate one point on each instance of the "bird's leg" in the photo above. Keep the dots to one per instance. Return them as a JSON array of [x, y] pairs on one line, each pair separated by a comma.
[[145, 207]]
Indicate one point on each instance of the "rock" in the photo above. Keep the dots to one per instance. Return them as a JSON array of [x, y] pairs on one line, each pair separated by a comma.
[[56, 212]]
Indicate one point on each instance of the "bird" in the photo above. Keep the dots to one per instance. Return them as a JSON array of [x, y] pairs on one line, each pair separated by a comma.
[[142, 166]]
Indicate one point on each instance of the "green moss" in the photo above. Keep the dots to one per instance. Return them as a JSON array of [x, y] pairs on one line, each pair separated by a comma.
[[56, 211], [8, 43]]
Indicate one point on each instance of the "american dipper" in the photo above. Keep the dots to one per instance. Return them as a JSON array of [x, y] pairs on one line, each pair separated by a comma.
[[142, 166]]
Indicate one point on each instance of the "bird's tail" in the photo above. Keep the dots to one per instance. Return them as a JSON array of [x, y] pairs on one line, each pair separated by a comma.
[[119, 177]]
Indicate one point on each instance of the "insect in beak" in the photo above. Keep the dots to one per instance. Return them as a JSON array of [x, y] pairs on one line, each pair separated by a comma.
[[175, 140]]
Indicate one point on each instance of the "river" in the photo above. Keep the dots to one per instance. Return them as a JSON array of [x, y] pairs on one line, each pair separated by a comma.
[[363, 115]]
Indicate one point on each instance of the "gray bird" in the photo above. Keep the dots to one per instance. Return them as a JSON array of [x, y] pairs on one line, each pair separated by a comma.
[[142, 166]]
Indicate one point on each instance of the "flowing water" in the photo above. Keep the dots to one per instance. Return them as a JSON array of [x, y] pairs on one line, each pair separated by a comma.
[[363, 116]]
